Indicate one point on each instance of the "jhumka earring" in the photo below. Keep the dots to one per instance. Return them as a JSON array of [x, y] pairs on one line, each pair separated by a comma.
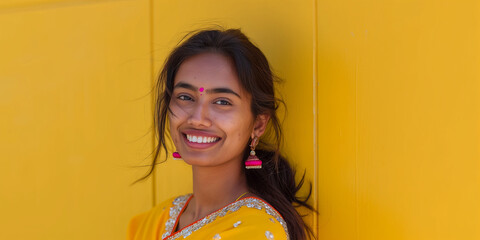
[[253, 162], [176, 156]]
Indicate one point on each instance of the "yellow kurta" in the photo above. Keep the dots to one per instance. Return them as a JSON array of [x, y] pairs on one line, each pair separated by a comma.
[[247, 218]]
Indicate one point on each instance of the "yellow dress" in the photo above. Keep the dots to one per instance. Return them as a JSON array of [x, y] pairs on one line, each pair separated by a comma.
[[247, 218]]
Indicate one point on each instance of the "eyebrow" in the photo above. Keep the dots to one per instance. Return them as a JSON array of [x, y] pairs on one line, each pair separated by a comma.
[[214, 90]]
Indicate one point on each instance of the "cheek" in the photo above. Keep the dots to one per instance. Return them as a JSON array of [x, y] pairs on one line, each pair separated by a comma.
[[177, 114], [238, 125], [174, 120]]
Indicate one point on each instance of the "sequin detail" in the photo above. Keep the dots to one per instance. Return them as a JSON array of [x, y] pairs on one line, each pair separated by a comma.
[[217, 237], [269, 235], [237, 223], [178, 204], [249, 202]]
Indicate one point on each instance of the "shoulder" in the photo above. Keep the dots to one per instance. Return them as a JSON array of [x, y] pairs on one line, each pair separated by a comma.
[[148, 222], [260, 220], [248, 218]]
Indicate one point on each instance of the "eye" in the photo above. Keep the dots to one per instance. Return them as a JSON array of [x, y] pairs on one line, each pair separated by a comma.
[[184, 98], [222, 102]]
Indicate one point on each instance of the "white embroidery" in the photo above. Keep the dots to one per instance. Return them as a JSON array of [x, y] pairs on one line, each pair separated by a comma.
[[237, 223], [248, 202], [269, 235], [178, 204]]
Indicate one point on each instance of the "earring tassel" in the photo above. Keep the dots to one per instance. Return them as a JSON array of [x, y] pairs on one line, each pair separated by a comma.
[[176, 156], [253, 162]]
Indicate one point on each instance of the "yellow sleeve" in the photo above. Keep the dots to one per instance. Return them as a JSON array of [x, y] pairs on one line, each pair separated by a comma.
[[146, 225], [134, 224]]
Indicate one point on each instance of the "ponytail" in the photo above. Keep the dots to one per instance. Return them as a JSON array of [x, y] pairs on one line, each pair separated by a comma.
[[275, 183]]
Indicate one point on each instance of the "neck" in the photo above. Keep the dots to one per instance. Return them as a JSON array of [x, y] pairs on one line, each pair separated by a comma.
[[216, 187]]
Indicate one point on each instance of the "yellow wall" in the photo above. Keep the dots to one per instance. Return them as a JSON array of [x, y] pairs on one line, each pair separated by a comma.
[[383, 103], [74, 118], [399, 119]]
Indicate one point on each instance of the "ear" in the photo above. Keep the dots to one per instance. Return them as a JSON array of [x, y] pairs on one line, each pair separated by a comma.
[[260, 125]]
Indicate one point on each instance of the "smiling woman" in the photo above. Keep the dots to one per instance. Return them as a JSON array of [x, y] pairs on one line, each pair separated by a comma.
[[216, 91], [222, 115]]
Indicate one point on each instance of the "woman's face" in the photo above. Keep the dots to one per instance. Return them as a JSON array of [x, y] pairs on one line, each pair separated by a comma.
[[211, 120]]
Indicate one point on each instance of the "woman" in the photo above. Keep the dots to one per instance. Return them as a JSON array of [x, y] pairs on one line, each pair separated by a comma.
[[216, 92]]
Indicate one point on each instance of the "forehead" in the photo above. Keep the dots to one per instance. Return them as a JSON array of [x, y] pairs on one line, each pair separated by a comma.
[[209, 70]]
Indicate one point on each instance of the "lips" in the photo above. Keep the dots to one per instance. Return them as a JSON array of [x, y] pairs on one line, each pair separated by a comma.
[[199, 139]]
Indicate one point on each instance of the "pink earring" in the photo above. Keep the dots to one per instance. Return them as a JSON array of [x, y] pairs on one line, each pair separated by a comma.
[[253, 162], [176, 156]]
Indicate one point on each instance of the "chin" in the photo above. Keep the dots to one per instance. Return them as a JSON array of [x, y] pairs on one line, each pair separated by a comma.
[[198, 161]]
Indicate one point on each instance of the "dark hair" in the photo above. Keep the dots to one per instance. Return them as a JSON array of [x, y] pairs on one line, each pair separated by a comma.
[[277, 177]]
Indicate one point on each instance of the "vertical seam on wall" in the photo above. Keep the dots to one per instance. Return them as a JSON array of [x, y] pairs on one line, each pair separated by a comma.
[[150, 2], [315, 118], [357, 213]]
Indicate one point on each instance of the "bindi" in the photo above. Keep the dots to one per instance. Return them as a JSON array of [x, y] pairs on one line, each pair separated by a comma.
[[200, 90]]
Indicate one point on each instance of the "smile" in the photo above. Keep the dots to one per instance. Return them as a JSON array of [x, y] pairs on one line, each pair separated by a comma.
[[201, 139]]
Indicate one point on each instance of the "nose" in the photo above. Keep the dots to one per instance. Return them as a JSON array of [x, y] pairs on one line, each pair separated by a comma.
[[199, 116]]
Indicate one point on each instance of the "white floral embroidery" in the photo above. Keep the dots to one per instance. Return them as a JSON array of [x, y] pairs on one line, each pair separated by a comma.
[[178, 204], [269, 235], [237, 223], [248, 202]]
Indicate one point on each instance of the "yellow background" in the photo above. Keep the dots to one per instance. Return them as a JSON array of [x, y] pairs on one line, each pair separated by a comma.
[[383, 102]]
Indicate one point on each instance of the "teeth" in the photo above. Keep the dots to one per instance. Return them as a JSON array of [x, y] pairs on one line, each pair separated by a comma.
[[200, 139]]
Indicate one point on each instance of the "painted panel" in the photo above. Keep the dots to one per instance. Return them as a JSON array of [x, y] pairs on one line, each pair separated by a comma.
[[8, 4], [401, 145], [74, 85], [23, 5]]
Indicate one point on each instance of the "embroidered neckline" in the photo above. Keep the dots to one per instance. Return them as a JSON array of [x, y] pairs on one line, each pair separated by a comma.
[[180, 202], [175, 210]]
